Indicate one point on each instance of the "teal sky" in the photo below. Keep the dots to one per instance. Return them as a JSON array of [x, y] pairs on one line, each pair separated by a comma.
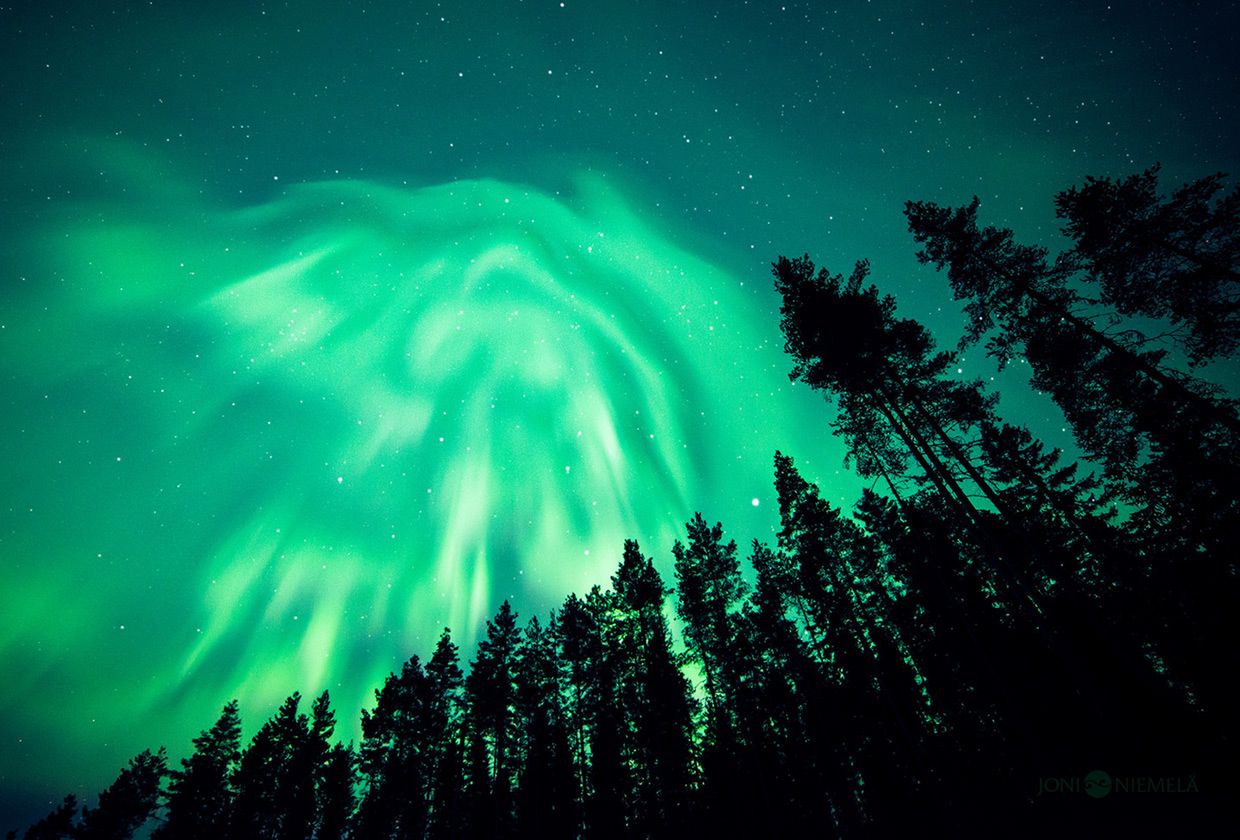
[[323, 329]]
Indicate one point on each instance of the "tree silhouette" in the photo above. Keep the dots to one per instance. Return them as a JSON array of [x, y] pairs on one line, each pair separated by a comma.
[[655, 695], [590, 676], [1034, 565], [57, 824], [490, 691], [392, 789], [256, 808], [443, 736], [337, 799], [545, 793], [280, 773], [1176, 259], [1166, 441], [844, 339], [711, 592], [127, 804], [1168, 444], [791, 729], [200, 794], [711, 589], [612, 775]]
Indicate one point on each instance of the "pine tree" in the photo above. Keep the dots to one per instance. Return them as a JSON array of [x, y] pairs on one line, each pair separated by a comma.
[[443, 736], [710, 593], [394, 799], [844, 339], [958, 646], [1175, 259], [785, 703], [255, 813], [889, 383], [545, 788], [710, 590], [277, 777], [337, 799], [129, 802], [200, 794], [1167, 442], [309, 769], [490, 691], [58, 824], [655, 696], [573, 633], [844, 584], [584, 632]]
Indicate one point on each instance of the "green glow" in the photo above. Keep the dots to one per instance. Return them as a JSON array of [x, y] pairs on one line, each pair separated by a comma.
[[280, 447], [224, 260]]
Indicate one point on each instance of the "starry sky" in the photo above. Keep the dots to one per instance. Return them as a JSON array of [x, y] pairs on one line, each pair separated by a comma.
[[324, 328]]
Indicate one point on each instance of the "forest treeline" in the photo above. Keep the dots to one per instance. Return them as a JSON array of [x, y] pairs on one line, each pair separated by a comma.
[[985, 627]]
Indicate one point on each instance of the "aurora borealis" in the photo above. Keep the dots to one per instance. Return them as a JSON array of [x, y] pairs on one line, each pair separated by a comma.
[[321, 330]]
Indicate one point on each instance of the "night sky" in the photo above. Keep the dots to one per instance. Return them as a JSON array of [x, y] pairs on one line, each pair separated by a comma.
[[321, 330]]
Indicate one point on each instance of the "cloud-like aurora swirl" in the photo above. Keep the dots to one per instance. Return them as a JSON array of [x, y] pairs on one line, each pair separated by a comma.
[[279, 447]]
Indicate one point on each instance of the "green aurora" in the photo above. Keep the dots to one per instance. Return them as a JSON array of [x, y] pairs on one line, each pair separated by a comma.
[[321, 330], [297, 439]]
